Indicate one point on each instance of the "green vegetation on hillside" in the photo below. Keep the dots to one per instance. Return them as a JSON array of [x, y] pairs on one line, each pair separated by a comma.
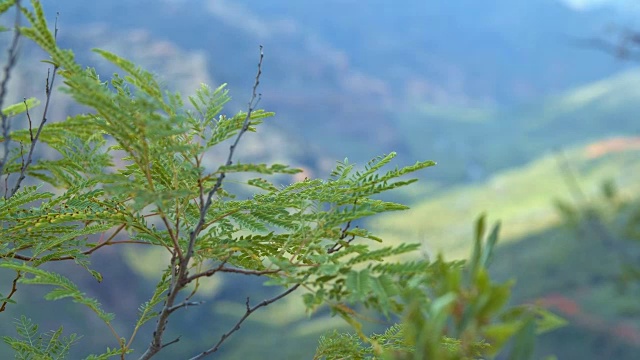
[[134, 170], [521, 197], [471, 144], [581, 261]]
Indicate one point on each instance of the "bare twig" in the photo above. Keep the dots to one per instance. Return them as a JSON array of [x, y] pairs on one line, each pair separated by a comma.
[[247, 313], [14, 288], [34, 139], [180, 277], [8, 68], [195, 288], [619, 50], [185, 304], [171, 342], [341, 242], [200, 186], [26, 107], [624, 44], [211, 272]]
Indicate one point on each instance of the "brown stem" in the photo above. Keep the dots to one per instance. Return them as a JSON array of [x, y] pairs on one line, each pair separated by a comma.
[[181, 261], [14, 288], [247, 313], [8, 68]]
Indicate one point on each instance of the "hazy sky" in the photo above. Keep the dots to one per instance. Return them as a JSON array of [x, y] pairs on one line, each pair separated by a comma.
[[624, 5]]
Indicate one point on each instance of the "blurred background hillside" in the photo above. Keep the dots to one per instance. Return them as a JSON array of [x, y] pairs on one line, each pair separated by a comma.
[[529, 120]]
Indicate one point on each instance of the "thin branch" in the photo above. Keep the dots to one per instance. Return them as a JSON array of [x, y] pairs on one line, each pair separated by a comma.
[[181, 262], [245, 126], [34, 139], [185, 304], [195, 288], [8, 68], [623, 44], [200, 186], [618, 50], [172, 235], [171, 342], [107, 242], [69, 257], [30, 122], [343, 235], [341, 243], [248, 312], [14, 288], [211, 272]]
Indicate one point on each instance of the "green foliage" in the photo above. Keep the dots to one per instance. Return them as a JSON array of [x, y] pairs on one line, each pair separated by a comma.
[[612, 220], [64, 288], [343, 345], [451, 311], [42, 346], [19, 108], [136, 169]]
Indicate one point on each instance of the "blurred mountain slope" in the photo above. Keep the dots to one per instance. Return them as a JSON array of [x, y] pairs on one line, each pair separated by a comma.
[[521, 197], [510, 157], [472, 143], [336, 71], [515, 159], [454, 81]]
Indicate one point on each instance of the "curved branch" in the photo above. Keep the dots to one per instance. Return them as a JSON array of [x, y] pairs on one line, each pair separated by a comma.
[[236, 327], [14, 288]]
